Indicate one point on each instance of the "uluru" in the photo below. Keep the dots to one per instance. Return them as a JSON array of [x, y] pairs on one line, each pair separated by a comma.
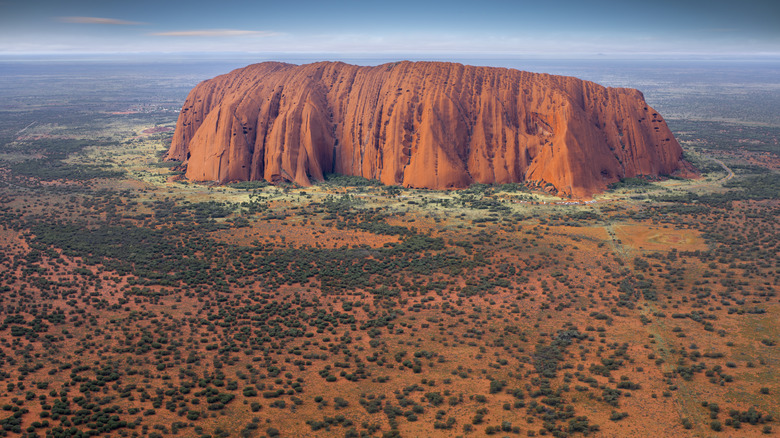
[[429, 125]]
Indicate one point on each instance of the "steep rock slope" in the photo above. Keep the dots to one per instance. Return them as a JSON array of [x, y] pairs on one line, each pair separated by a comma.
[[419, 124]]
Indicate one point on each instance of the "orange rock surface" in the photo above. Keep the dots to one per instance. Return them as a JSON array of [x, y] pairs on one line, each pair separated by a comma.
[[420, 124]]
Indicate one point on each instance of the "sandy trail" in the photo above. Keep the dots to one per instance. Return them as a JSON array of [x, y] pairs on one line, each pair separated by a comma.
[[26, 127]]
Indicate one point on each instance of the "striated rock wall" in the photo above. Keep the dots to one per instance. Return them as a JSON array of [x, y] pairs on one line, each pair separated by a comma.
[[419, 124]]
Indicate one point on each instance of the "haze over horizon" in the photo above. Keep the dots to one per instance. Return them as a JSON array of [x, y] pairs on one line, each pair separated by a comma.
[[559, 28]]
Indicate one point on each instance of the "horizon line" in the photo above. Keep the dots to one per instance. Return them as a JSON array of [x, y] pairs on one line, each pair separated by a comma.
[[411, 54]]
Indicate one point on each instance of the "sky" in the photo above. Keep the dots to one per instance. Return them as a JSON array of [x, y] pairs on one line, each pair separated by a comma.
[[545, 28]]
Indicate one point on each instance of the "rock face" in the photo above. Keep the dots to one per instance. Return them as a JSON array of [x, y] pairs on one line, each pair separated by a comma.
[[419, 124]]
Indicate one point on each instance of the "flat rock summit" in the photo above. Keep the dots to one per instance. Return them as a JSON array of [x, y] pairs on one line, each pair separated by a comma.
[[420, 124]]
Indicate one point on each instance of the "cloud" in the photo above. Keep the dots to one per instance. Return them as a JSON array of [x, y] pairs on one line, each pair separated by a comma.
[[216, 33], [98, 20], [721, 29]]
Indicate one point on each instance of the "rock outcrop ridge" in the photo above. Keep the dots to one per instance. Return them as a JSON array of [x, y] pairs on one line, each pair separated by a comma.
[[420, 124]]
